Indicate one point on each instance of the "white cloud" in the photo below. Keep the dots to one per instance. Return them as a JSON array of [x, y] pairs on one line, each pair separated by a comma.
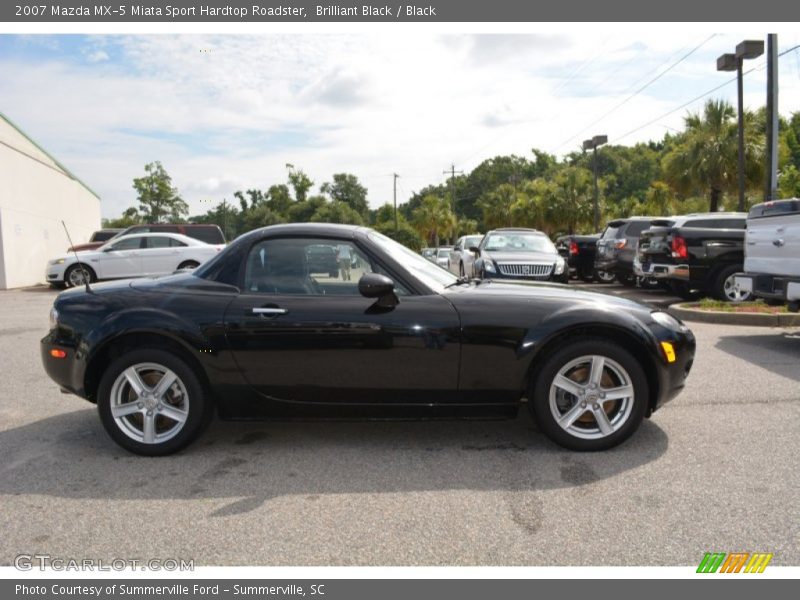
[[228, 112]]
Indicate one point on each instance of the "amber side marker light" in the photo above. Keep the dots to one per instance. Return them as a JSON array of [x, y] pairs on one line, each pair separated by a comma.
[[669, 351], [58, 353]]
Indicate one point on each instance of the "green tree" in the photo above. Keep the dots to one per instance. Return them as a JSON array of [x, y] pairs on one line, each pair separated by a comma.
[[158, 199], [789, 182], [130, 217], [704, 156], [347, 189], [278, 199], [433, 219], [301, 184], [496, 206], [301, 212], [337, 212]]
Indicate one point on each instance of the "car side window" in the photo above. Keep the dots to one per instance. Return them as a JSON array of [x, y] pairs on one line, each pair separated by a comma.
[[176, 243], [128, 244], [306, 266], [158, 242]]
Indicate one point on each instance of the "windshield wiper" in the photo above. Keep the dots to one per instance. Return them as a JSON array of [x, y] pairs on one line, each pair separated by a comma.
[[459, 281]]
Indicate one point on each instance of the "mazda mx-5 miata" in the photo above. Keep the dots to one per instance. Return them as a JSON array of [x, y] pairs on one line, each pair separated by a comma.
[[253, 334]]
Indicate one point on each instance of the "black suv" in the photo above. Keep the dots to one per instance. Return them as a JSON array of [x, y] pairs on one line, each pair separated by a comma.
[[616, 248], [696, 254]]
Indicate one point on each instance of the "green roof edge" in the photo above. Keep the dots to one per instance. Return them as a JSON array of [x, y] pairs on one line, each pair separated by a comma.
[[69, 173]]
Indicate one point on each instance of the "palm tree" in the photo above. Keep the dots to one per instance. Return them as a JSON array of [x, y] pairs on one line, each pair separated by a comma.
[[705, 156], [433, 219]]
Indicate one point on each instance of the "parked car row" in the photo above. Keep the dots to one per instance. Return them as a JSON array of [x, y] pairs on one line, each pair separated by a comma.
[[210, 234]]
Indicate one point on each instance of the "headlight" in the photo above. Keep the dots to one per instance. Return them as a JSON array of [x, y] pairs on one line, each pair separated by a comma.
[[58, 261], [53, 318], [488, 266], [560, 266], [667, 320]]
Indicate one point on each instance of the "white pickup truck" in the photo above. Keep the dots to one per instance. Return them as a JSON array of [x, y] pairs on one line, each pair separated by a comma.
[[772, 253]]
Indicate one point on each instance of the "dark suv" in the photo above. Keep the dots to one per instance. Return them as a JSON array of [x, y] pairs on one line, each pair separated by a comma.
[[616, 248]]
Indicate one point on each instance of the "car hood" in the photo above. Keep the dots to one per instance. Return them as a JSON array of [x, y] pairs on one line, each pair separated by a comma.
[[542, 292], [521, 257]]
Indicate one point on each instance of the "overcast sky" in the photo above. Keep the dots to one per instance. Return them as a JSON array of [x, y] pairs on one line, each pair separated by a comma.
[[229, 112]]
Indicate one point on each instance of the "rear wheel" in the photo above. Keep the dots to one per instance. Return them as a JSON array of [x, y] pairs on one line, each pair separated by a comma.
[[589, 395], [152, 403], [725, 286]]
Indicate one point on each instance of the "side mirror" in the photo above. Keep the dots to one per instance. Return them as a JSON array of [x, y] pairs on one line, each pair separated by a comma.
[[475, 250], [375, 285]]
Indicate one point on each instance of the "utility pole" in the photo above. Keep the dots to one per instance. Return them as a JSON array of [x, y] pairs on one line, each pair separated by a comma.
[[452, 172], [395, 175], [771, 180]]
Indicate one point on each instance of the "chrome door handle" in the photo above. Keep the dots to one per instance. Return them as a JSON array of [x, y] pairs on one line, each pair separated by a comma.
[[270, 311]]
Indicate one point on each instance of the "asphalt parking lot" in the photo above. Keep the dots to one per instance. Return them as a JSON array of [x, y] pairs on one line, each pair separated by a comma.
[[715, 470]]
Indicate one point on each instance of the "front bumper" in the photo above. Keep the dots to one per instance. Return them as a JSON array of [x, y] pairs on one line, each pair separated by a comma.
[[672, 376], [64, 371], [771, 287], [54, 273]]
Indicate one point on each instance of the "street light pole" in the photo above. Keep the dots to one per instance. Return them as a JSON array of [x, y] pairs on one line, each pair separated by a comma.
[[395, 200], [734, 62], [592, 145]]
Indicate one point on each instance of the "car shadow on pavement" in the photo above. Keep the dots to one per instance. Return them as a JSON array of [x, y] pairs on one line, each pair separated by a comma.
[[71, 456], [778, 352]]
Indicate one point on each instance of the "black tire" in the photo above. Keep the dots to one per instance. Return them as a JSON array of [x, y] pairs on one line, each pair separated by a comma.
[[188, 264], [626, 280], [200, 407], [539, 397], [77, 270], [718, 287], [603, 277], [684, 291]]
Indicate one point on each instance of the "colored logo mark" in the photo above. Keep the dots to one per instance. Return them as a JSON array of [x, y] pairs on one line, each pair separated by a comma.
[[735, 562]]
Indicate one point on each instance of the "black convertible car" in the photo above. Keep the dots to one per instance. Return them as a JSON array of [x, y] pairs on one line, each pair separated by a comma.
[[252, 334]]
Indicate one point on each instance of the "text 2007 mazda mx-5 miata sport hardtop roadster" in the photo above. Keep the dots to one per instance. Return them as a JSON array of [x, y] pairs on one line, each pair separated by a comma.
[[253, 334]]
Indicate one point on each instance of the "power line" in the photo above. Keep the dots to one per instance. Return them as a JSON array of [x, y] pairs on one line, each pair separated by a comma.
[[701, 96], [638, 91]]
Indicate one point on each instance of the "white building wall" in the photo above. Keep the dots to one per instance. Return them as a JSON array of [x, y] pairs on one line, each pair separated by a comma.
[[35, 195]]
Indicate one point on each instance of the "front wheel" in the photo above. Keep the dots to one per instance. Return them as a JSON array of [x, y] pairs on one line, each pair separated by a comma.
[[589, 395], [152, 403], [604, 276], [188, 264], [78, 274]]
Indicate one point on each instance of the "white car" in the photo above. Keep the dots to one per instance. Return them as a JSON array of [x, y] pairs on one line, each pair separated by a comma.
[[135, 255], [461, 258]]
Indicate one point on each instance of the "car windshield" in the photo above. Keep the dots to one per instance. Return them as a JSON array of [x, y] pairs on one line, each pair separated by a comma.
[[472, 240], [610, 232], [430, 274], [444, 252], [519, 242]]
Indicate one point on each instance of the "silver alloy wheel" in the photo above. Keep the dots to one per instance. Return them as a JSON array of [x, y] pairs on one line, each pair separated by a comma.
[[732, 291], [591, 397], [149, 403], [77, 277]]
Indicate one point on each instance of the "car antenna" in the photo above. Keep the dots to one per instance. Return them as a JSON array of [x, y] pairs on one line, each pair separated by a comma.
[[80, 264]]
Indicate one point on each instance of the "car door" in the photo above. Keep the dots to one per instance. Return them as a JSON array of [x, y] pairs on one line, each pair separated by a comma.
[[120, 259], [160, 255], [302, 337]]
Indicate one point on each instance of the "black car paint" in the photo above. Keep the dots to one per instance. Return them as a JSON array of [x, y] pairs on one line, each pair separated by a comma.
[[582, 262], [709, 249], [609, 257], [468, 350]]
